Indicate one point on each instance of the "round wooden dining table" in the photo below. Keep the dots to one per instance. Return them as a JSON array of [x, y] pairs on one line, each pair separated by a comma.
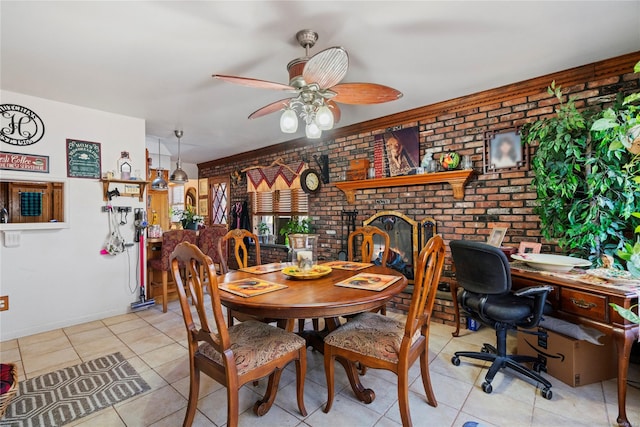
[[315, 298]]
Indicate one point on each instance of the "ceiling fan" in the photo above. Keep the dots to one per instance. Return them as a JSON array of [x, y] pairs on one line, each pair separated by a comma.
[[315, 84]]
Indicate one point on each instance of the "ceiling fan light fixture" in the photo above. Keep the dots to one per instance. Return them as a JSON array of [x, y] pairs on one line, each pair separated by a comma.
[[178, 176], [289, 121], [313, 131], [324, 118]]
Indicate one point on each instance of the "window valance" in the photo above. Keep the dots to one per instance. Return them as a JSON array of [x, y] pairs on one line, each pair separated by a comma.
[[275, 177]]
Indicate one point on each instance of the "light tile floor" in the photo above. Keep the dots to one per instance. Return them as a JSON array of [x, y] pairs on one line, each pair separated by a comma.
[[155, 344]]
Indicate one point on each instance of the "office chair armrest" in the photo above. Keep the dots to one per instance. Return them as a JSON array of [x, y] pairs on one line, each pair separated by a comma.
[[533, 291], [539, 295]]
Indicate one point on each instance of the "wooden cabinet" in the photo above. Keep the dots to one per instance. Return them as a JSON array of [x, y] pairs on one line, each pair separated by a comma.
[[158, 205], [51, 203]]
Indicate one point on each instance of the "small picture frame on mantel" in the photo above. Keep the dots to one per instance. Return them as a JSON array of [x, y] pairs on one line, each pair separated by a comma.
[[504, 152]]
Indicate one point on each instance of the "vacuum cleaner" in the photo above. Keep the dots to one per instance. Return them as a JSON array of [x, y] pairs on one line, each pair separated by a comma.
[[140, 225]]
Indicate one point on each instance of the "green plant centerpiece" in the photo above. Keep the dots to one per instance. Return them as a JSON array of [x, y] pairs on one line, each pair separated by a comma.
[[585, 193], [295, 225], [620, 128]]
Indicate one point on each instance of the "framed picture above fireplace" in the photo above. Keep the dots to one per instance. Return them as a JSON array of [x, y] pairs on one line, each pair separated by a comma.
[[504, 152]]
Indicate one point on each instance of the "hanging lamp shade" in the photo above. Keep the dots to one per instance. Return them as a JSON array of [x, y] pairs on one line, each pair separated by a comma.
[[178, 176], [159, 183]]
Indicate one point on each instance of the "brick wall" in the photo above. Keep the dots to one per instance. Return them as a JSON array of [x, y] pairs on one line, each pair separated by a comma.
[[491, 200]]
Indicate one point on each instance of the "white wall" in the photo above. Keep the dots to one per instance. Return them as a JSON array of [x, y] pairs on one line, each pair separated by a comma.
[[57, 278]]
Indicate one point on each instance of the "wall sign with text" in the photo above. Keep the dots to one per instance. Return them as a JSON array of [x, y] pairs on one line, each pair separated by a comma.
[[24, 162], [19, 125], [83, 159]]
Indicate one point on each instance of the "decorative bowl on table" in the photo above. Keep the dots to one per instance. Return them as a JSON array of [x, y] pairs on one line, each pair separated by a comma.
[[549, 262], [314, 272]]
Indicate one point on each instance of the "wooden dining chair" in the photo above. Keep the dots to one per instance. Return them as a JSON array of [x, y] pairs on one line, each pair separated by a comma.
[[365, 235], [237, 238], [170, 239], [383, 342], [208, 239], [236, 355]]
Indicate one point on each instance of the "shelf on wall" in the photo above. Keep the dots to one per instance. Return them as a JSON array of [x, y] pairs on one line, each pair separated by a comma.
[[141, 184], [456, 178]]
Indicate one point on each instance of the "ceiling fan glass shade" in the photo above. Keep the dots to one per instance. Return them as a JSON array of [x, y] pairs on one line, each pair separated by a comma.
[[289, 121], [313, 131], [324, 118]]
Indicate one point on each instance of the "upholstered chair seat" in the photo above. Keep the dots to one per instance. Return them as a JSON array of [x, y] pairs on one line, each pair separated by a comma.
[[254, 344], [371, 334]]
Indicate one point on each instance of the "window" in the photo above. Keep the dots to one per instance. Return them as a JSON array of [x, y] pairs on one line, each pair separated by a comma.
[[276, 207], [176, 201]]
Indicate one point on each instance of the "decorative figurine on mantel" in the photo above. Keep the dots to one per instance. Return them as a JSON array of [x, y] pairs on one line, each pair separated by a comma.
[[428, 164]]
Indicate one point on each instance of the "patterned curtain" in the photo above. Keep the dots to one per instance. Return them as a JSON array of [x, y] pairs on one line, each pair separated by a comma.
[[281, 177]]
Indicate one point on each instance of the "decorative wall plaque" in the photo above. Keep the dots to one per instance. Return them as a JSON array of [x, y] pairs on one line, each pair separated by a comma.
[[24, 162], [83, 159], [19, 125]]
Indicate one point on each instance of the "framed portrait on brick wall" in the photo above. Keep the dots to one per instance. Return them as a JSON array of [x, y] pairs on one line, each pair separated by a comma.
[[504, 151]]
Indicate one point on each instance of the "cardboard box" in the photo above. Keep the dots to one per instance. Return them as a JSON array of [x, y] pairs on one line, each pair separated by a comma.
[[574, 362]]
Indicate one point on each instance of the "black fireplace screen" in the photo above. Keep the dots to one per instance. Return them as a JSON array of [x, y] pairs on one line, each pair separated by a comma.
[[406, 238]]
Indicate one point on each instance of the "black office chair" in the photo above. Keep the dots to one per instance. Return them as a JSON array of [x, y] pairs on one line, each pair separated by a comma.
[[483, 273]]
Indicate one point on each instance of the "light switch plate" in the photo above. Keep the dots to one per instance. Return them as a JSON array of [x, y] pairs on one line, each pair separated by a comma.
[[11, 239]]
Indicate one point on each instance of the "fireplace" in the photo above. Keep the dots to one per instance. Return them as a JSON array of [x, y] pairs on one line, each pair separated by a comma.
[[406, 236]]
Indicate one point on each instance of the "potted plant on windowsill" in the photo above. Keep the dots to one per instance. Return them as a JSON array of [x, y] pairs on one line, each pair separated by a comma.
[[295, 225], [263, 232]]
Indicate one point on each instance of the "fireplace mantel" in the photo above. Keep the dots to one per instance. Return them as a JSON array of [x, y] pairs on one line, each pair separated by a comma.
[[457, 179]]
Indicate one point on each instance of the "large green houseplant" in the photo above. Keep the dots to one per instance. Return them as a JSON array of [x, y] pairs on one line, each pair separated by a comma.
[[620, 127], [585, 195]]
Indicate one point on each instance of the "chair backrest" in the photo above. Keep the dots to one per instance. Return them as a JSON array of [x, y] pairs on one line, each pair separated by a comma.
[[366, 246], [427, 276], [239, 248], [481, 268], [208, 242], [192, 258], [171, 239]]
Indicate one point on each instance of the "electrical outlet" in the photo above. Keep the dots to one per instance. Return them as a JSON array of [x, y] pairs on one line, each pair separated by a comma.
[[4, 303]]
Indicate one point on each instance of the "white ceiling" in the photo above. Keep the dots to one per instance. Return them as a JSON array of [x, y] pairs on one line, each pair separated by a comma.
[[154, 60]]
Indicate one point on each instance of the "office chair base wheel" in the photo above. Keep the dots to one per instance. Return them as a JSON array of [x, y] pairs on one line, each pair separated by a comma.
[[455, 360], [547, 393], [487, 387]]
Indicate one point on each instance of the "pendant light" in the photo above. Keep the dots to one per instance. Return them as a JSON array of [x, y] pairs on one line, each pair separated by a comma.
[[159, 183], [179, 176]]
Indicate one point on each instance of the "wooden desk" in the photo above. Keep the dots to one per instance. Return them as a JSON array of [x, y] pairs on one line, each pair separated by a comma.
[[318, 298], [586, 304]]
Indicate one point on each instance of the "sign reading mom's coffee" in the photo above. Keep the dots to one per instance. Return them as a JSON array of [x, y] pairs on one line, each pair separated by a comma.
[[19, 125]]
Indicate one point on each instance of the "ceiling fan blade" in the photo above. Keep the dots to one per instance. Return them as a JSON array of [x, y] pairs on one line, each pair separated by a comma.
[[326, 68], [364, 93], [271, 108], [335, 110], [246, 81]]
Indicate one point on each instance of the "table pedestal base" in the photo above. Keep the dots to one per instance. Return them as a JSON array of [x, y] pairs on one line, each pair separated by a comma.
[[315, 340]]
